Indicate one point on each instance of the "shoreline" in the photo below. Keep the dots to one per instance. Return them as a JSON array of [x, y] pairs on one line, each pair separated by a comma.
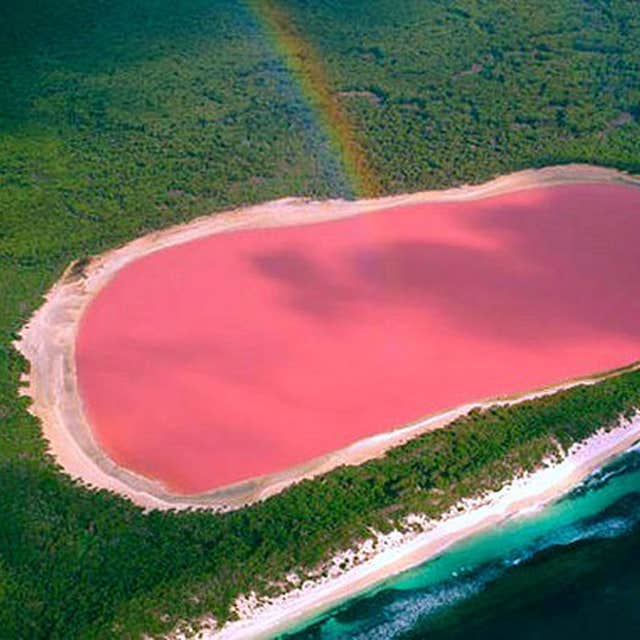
[[398, 552], [48, 342]]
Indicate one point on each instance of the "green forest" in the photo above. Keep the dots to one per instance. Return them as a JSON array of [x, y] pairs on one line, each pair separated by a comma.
[[451, 92], [118, 117]]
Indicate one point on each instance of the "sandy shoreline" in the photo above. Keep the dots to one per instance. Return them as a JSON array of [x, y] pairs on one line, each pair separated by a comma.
[[48, 342], [397, 552]]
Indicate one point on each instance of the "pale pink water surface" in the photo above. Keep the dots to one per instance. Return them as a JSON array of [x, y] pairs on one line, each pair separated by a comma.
[[244, 353]]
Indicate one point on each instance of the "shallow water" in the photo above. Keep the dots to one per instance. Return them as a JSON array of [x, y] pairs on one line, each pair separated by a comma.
[[572, 569]]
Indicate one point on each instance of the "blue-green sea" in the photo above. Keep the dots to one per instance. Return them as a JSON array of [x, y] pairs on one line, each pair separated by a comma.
[[571, 570]]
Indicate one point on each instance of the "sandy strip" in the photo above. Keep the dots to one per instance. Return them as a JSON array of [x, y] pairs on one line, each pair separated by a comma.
[[48, 341], [397, 552]]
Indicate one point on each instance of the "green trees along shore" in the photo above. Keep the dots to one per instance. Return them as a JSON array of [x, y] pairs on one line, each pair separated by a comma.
[[122, 117]]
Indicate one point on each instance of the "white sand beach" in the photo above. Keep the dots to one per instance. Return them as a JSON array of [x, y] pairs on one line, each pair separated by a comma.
[[386, 555]]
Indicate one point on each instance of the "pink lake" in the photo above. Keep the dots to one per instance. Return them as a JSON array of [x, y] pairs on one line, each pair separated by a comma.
[[245, 353]]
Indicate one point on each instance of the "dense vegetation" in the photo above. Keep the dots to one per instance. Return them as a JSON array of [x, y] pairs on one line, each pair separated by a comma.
[[446, 92], [123, 116]]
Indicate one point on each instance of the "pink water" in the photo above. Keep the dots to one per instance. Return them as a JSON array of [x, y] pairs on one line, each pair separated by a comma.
[[245, 353]]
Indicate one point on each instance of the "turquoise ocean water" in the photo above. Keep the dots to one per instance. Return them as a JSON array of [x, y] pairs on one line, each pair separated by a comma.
[[571, 570]]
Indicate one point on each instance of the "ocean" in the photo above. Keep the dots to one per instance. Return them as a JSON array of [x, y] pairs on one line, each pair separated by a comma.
[[569, 570]]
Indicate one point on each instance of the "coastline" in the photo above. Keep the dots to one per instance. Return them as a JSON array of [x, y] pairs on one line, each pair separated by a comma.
[[48, 342], [399, 551]]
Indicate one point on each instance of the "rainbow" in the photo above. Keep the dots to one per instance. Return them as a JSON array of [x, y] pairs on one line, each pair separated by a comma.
[[308, 70]]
